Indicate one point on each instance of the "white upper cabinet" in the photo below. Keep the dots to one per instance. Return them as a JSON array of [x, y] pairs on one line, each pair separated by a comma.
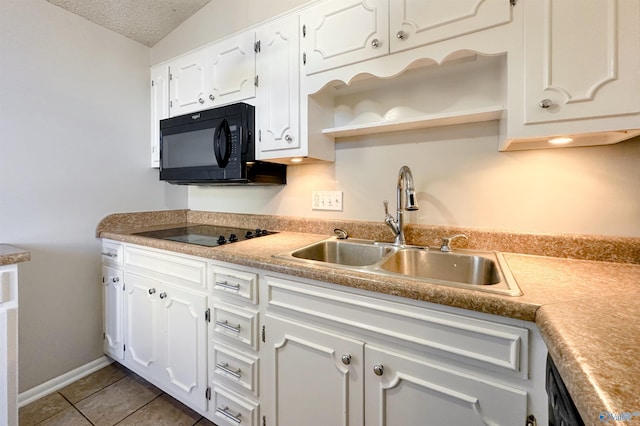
[[577, 75], [278, 90], [159, 107], [218, 74], [341, 32], [188, 83], [415, 23]]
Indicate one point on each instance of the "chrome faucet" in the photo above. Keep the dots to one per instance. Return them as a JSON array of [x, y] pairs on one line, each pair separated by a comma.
[[405, 181]]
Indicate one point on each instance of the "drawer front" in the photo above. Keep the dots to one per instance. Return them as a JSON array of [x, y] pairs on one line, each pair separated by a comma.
[[482, 343], [234, 284], [234, 369], [188, 271], [235, 324], [229, 408], [112, 253]]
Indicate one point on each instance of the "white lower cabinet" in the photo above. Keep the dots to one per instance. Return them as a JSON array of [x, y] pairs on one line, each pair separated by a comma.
[[9, 345], [243, 346]]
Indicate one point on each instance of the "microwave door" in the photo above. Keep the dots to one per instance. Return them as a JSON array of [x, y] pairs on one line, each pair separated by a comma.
[[192, 149]]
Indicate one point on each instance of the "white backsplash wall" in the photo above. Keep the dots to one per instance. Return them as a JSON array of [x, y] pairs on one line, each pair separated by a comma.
[[461, 179]]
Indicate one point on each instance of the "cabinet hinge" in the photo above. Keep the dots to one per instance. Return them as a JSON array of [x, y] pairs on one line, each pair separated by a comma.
[[264, 334], [207, 315], [207, 394], [513, 2], [264, 420], [256, 81], [124, 348], [304, 30], [170, 104], [170, 77], [531, 420], [304, 59], [104, 336], [256, 46], [102, 280], [259, 135], [152, 83]]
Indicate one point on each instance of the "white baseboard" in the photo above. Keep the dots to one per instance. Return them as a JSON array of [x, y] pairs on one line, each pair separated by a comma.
[[61, 381]]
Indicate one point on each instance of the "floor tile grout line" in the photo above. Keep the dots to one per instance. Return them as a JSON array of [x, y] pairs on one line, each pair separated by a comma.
[[140, 408], [77, 409]]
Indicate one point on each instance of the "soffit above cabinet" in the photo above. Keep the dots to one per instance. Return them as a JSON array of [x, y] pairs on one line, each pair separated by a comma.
[[145, 21]]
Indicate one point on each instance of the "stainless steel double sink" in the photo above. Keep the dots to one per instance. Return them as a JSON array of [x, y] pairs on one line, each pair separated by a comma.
[[477, 270]]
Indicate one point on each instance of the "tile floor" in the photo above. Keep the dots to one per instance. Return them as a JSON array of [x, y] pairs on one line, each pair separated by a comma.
[[110, 396]]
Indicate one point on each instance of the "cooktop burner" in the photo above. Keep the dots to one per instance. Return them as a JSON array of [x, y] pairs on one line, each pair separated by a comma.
[[206, 235]]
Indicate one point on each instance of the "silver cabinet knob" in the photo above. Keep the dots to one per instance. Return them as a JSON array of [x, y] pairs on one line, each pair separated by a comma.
[[163, 295], [375, 43], [211, 97], [378, 369], [545, 103], [115, 279], [152, 291], [401, 35], [288, 138], [346, 359], [201, 100]]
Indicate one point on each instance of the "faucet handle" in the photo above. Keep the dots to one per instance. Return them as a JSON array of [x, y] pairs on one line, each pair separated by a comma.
[[386, 207], [446, 242]]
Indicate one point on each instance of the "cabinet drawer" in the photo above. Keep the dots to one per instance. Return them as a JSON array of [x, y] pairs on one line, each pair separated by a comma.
[[479, 342], [112, 253], [231, 409], [235, 369], [233, 283], [175, 268], [235, 324]]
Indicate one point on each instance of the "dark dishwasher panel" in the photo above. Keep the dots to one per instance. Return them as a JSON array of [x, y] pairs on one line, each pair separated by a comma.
[[562, 411]]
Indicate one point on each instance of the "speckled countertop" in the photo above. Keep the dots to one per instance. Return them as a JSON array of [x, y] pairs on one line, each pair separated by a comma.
[[10, 255], [586, 310]]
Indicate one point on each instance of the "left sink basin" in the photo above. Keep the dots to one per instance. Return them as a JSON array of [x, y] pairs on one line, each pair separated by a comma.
[[346, 253]]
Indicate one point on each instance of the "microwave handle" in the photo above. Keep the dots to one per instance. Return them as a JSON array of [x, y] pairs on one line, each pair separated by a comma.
[[222, 131]]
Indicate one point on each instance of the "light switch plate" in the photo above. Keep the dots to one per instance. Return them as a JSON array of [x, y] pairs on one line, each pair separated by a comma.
[[326, 200]]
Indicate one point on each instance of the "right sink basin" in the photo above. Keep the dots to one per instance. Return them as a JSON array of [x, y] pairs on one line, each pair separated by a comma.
[[460, 268]]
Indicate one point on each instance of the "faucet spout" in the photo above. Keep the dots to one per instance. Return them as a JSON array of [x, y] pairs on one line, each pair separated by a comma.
[[407, 202]]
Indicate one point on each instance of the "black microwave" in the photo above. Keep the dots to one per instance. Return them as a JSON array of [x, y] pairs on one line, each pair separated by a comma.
[[215, 147]]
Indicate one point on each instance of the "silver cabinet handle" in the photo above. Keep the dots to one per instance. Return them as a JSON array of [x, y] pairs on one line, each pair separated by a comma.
[[378, 369], [152, 291], [225, 324], [545, 103], [163, 295], [225, 412], [201, 100], [288, 138], [109, 254], [401, 35], [211, 97], [115, 279], [225, 367], [224, 284], [346, 359], [375, 43]]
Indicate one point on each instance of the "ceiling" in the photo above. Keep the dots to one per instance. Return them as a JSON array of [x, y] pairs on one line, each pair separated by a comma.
[[145, 21]]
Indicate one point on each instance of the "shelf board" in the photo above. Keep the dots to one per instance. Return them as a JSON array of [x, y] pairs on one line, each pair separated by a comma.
[[417, 122]]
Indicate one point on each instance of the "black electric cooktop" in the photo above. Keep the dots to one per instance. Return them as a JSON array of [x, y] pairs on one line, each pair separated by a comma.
[[206, 235]]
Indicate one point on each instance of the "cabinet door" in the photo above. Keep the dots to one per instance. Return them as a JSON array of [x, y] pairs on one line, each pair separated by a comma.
[[315, 376], [581, 59], [278, 91], [141, 326], [159, 108], [232, 69], [415, 23], [403, 391], [188, 83], [113, 296], [342, 32], [184, 342]]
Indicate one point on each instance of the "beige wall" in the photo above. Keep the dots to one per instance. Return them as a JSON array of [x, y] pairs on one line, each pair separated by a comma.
[[463, 180], [74, 148]]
